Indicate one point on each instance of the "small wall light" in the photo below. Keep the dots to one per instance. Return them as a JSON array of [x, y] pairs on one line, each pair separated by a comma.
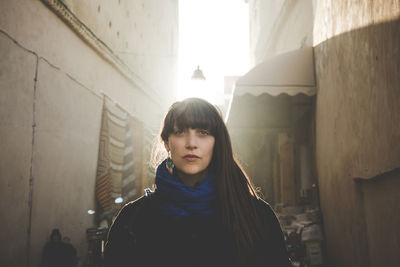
[[198, 74]]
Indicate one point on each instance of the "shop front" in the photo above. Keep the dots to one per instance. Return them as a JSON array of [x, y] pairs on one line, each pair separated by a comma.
[[271, 120]]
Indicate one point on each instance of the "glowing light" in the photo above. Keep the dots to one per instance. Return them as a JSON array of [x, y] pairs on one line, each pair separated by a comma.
[[214, 36], [118, 200], [91, 212]]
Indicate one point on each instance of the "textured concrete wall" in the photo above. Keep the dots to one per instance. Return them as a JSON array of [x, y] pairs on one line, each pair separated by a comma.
[[37, 28], [16, 93], [142, 32], [50, 110], [49, 132], [65, 158], [357, 60], [381, 199]]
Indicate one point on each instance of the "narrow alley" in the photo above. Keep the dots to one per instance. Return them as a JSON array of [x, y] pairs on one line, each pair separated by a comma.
[[309, 92]]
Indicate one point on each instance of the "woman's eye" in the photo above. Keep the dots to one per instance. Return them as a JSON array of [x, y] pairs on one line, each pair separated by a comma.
[[178, 132], [204, 132]]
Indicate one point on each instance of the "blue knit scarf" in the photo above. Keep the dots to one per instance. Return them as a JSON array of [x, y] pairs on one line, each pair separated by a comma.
[[181, 200]]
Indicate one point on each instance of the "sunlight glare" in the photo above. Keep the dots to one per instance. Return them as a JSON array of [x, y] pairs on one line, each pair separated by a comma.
[[213, 36]]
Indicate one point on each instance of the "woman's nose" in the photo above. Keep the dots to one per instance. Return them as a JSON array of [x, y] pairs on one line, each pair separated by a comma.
[[191, 141]]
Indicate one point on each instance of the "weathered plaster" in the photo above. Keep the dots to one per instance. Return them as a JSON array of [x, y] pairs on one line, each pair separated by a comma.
[[16, 94], [65, 159], [357, 115], [61, 123], [40, 30]]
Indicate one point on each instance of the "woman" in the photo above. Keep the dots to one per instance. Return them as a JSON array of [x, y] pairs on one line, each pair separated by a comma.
[[204, 211]]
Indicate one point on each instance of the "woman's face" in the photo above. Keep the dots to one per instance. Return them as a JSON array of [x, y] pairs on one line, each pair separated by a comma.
[[191, 151]]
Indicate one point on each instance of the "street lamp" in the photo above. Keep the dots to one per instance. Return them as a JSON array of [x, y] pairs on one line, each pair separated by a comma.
[[199, 87], [198, 74]]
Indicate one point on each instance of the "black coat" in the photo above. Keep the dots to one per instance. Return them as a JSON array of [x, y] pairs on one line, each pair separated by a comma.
[[142, 236]]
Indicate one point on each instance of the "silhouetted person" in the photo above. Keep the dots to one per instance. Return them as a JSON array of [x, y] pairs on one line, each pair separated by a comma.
[[57, 253], [70, 253]]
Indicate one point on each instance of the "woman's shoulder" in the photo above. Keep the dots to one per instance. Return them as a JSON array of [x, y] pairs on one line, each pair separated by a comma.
[[262, 204], [132, 208], [264, 207], [134, 204]]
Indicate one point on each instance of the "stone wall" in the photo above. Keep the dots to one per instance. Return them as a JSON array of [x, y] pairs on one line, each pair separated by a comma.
[[357, 129], [52, 86], [17, 87]]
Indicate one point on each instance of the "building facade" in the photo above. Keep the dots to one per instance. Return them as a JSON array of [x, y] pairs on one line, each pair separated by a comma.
[[61, 63], [357, 108]]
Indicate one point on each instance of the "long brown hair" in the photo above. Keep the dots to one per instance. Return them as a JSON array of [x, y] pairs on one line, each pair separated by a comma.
[[235, 193]]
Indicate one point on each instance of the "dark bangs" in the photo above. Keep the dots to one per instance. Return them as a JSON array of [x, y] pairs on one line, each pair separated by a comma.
[[191, 113]]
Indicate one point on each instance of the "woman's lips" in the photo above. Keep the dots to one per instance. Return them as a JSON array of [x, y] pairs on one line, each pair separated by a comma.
[[191, 158]]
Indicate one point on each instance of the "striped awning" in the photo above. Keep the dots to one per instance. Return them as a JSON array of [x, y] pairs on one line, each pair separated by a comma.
[[289, 73]]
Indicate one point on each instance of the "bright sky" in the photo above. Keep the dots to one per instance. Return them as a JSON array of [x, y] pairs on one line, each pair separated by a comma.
[[213, 34]]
